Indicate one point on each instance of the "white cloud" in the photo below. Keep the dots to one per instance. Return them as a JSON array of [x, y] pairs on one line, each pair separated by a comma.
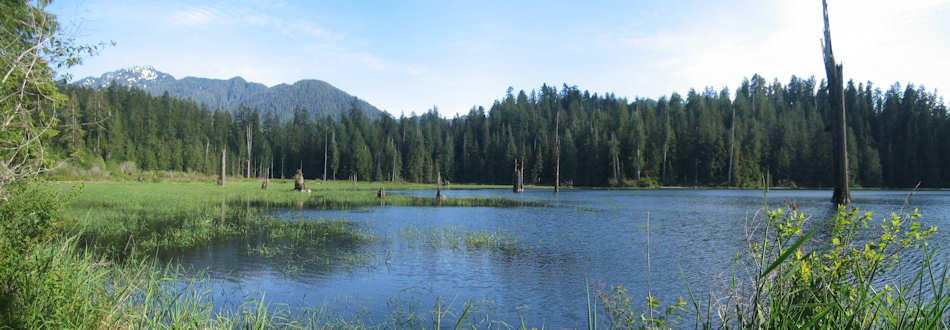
[[193, 16], [877, 40]]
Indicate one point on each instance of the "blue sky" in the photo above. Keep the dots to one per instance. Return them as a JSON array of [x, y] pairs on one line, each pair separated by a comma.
[[408, 56]]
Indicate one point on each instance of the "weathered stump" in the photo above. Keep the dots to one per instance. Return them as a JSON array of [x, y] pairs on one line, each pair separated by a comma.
[[438, 187], [299, 184]]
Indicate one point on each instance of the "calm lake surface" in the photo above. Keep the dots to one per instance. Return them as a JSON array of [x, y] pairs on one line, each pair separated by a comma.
[[598, 236]]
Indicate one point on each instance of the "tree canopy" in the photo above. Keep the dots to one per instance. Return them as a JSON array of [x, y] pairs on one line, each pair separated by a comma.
[[781, 132]]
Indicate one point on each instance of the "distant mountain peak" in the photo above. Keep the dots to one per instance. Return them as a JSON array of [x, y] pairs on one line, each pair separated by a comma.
[[136, 76], [318, 97], [147, 72]]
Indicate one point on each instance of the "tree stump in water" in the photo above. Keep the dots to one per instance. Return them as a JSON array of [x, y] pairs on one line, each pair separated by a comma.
[[299, 184], [518, 178], [438, 188]]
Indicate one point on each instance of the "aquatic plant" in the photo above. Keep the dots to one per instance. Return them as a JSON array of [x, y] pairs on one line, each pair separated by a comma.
[[453, 237]]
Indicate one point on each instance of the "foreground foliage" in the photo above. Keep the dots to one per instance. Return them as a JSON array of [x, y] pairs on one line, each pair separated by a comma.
[[838, 275]]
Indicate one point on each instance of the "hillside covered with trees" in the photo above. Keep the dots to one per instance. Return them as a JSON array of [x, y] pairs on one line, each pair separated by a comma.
[[708, 137], [319, 97]]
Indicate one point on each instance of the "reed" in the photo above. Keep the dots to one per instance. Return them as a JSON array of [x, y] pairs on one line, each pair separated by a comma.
[[454, 237]]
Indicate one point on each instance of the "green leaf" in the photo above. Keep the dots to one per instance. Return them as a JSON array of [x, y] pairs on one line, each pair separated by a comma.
[[788, 252]]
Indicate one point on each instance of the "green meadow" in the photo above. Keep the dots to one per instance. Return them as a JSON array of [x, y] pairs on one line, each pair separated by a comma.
[[123, 218]]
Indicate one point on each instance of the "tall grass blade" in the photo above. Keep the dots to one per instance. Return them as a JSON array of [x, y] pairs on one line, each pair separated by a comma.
[[458, 323], [788, 252]]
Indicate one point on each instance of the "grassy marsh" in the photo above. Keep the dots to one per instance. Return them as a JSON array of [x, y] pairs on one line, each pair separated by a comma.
[[454, 237], [85, 257], [125, 218]]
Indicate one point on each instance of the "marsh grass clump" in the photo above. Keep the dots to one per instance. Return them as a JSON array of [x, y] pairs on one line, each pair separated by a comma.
[[294, 245], [622, 311], [453, 237], [484, 239]]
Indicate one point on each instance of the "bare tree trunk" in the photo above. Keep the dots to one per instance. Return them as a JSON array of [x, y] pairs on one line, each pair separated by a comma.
[[557, 152], [521, 177], [74, 129], [732, 145], [99, 122], [619, 165], [325, 144], [438, 187], [249, 135], [516, 179], [663, 170], [615, 168], [223, 167], [207, 147], [842, 194], [636, 174], [333, 138]]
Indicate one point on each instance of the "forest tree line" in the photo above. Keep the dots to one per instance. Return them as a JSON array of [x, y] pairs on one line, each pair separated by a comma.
[[708, 138]]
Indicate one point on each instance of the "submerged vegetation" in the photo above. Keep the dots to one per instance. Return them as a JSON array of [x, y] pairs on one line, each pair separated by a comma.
[[457, 238], [294, 245]]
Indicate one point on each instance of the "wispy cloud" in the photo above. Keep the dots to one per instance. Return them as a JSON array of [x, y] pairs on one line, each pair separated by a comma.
[[295, 28], [303, 40], [194, 16], [260, 16]]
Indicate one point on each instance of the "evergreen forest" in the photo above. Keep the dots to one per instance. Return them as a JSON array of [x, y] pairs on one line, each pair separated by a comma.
[[704, 138]]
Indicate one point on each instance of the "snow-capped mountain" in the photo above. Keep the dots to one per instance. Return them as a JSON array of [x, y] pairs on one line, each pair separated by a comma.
[[318, 97], [136, 76]]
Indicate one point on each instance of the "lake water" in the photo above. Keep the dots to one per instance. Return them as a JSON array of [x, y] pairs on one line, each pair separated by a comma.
[[595, 236]]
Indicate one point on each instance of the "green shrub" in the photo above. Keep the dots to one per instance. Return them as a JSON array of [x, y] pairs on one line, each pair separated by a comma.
[[849, 278], [26, 220], [835, 276]]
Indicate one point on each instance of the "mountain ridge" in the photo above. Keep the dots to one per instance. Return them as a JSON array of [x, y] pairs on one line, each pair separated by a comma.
[[319, 97]]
